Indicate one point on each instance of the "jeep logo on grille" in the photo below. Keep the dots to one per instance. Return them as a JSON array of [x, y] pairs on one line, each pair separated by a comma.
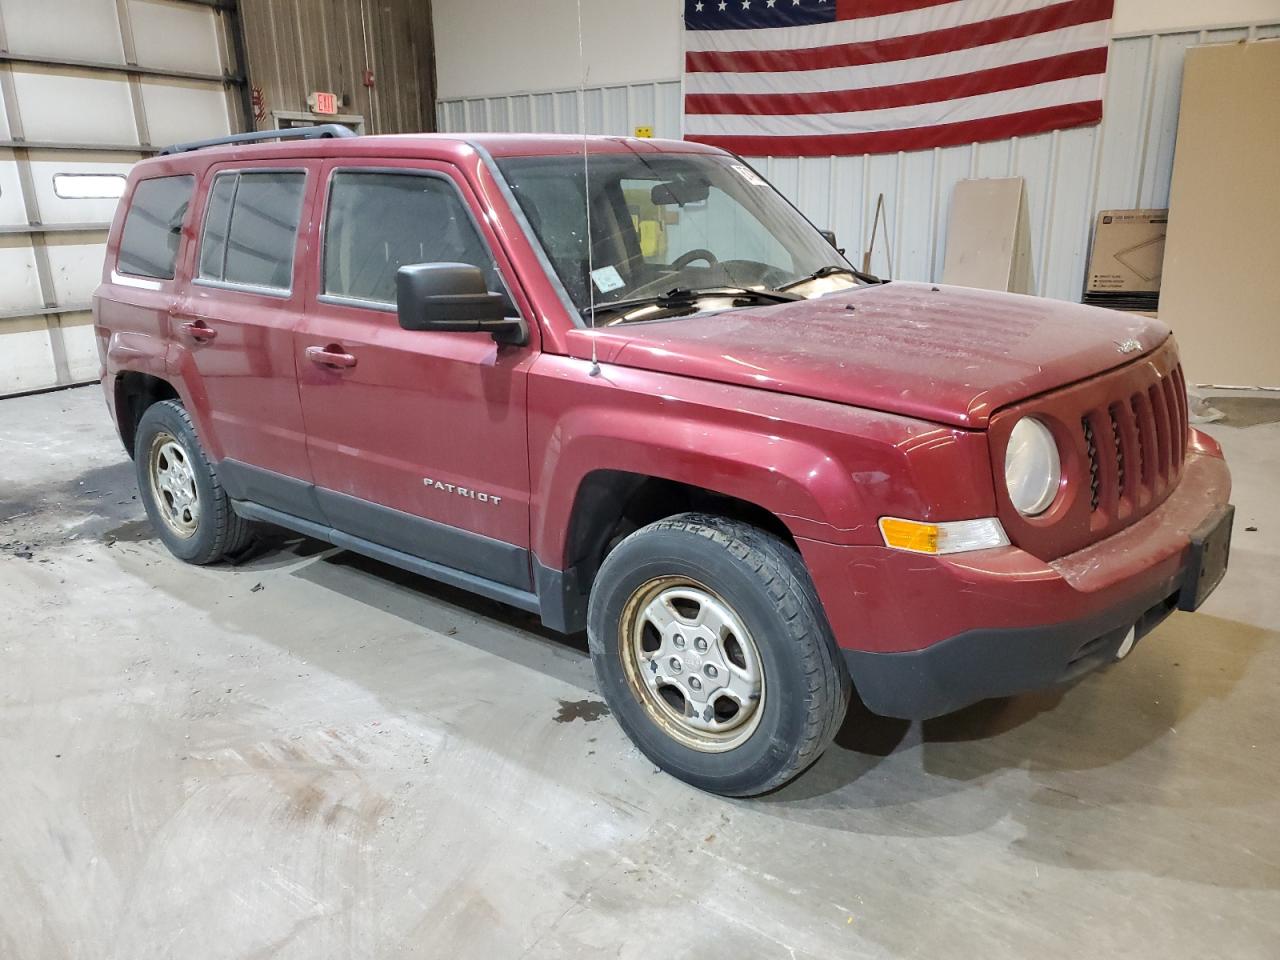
[[1128, 346]]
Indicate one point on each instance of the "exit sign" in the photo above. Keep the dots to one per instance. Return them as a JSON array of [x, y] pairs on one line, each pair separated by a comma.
[[321, 102]]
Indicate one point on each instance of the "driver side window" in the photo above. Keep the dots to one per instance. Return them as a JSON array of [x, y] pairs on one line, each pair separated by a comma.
[[380, 222]]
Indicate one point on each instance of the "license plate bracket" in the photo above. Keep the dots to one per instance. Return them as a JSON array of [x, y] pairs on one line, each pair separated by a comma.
[[1210, 552]]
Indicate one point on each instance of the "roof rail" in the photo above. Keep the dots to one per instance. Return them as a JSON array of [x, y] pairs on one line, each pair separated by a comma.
[[293, 133]]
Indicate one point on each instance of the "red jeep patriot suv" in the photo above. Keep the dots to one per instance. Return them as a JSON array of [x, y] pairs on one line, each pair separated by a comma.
[[626, 385]]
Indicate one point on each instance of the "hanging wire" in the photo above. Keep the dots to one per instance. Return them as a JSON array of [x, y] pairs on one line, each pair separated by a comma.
[[586, 191]]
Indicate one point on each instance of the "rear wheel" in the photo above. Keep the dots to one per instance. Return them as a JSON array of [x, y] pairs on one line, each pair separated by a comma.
[[180, 490], [711, 647]]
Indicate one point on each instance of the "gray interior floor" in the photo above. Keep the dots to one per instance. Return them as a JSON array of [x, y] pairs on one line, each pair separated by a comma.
[[311, 755]]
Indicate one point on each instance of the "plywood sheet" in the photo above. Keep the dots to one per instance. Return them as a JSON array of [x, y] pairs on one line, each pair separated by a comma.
[[1221, 284], [988, 241]]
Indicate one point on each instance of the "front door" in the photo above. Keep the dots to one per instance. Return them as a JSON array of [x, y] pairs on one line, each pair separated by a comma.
[[417, 439]]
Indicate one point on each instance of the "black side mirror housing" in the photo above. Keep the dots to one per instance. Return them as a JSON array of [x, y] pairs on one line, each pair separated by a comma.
[[830, 237], [453, 297]]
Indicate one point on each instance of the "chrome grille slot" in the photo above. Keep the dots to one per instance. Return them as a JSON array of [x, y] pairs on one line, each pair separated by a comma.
[[1095, 483], [1117, 439]]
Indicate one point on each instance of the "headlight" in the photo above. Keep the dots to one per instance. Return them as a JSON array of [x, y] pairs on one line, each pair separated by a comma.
[[1032, 470]]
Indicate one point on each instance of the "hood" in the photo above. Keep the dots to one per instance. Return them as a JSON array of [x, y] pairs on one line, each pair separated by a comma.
[[947, 354]]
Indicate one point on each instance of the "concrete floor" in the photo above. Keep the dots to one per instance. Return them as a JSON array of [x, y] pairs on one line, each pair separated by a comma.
[[311, 755]]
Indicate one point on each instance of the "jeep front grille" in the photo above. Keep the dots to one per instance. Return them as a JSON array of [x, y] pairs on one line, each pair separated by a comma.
[[1122, 437], [1148, 432]]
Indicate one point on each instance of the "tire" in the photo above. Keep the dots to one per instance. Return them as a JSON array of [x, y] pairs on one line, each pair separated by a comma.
[[706, 578], [180, 490]]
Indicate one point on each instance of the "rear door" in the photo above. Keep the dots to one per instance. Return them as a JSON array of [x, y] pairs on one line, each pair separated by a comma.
[[417, 439], [234, 326]]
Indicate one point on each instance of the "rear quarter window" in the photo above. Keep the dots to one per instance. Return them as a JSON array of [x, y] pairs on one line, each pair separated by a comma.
[[153, 226]]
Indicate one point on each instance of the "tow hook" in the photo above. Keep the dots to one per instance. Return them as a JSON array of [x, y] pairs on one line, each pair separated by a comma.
[[1127, 643]]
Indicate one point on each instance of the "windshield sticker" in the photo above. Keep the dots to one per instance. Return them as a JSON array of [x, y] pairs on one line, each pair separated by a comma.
[[606, 279], [747, 174]]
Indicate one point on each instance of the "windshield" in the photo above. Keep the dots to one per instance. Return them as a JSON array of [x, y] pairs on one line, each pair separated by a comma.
[[667, 222]]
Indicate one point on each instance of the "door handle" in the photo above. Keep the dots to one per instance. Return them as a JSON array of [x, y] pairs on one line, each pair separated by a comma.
[[199, 330], [330, 356]]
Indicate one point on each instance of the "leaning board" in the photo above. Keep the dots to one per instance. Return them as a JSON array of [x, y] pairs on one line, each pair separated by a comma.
[[1221, 284]]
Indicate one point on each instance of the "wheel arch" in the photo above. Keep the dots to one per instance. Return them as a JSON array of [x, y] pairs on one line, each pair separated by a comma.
[[135, 392], [605, 506]]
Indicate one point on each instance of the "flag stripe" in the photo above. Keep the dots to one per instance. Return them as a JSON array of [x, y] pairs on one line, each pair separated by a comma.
[[863, 9], [1036, 97], [752, 35], [1022, 124], [997, 79], [970, 35], [1084, 36]]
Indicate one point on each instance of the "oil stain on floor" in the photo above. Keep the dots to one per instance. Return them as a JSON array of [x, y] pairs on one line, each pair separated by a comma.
[[586, 710]]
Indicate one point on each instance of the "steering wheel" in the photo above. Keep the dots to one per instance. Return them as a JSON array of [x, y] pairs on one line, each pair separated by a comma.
[[688, 257]]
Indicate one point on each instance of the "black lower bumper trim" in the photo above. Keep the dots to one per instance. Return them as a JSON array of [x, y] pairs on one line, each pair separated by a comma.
[[980, 664]]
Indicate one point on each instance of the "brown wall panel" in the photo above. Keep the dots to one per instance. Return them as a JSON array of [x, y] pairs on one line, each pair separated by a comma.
[[296, 47]]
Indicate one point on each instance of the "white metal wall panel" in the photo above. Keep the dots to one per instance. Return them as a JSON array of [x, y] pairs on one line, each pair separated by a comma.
[[28, 355], [175, 36], [75, 260], [1127, 161], [48, 164], [79, 345], [70, 29], [12, 210], [178, 111], [52, 117], [21, 287], [74, 106]]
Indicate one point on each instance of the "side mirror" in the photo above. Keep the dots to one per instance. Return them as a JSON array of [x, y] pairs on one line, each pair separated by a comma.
[[453, 296], [830, 237]]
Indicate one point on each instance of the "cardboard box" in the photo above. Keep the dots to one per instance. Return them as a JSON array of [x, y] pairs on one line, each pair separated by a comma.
[[1128, 253]]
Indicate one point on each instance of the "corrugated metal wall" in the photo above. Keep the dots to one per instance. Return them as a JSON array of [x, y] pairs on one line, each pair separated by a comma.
[[1125, 162], [296, 47]]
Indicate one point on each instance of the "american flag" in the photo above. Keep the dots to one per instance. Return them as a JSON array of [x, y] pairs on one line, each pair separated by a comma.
[[796, 78]]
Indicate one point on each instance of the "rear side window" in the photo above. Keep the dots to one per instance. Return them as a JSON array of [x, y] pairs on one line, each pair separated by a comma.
[[153, 226], [379, 222], [251, 228]]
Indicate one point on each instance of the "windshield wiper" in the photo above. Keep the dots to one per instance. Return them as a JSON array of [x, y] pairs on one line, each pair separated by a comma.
[[687, 297], [830, 270]]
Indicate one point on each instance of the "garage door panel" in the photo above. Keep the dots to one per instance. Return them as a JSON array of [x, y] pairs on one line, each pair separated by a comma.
[[175, 36], [20, 289], [75, 262], [75, 106], [48, 172], [12, 210], [41, 27], [80, 346], [179, 111], [28, 355], [57, 197]]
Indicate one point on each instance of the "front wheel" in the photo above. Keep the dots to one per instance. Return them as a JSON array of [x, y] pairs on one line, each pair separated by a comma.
[[712, 650]]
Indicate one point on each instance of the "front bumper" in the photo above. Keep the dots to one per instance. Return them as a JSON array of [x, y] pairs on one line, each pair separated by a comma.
[[923, 636]]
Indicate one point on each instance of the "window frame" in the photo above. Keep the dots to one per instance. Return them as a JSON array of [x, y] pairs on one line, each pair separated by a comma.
[[177, 254], [380, 306], [279, 293]]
